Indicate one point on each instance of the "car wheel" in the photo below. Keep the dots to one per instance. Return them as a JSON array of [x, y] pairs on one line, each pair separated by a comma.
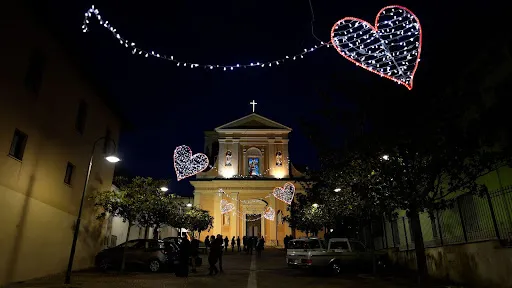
[[335, 268], [154, 265]]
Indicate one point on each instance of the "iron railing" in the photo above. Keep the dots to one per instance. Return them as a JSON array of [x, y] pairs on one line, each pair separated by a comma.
[[471, 219]]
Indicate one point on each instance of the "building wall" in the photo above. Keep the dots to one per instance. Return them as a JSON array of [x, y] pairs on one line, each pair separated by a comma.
[[37, 209], [483, 264], [207, 197], [462, 242]]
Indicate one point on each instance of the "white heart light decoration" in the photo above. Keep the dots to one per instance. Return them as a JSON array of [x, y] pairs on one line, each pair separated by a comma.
[[186, 164], [226, 207], [285, 193], [391, 48], [269, 213]]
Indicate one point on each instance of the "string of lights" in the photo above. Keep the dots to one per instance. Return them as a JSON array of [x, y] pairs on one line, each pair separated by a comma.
[[94, 13], [249, 201], [287, 167]]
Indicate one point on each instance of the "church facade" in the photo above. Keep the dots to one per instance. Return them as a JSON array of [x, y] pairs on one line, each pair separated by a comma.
[[250, 158]]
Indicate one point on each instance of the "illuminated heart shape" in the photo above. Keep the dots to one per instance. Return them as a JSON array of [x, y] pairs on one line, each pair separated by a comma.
[[269, 213], [186, 164], [226, 207], [391, 48], [285, 193]]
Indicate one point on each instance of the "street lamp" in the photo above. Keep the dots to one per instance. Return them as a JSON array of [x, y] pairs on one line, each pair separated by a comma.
[[164, 189], [385, 157], [337, 190], [109, 158], [315, 205]]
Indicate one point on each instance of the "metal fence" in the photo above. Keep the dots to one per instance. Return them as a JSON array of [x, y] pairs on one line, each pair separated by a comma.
[[471, 219]]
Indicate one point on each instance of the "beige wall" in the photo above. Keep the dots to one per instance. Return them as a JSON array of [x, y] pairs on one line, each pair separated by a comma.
[[245, 190], [37, 209]]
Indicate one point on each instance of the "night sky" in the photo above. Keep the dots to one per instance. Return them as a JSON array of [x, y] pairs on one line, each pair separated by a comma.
[[170, 106]]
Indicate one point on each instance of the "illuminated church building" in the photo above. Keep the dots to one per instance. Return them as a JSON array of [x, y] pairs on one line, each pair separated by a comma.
[[250, 158]]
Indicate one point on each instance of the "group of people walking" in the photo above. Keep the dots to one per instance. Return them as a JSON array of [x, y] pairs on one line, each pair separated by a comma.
[[216, 246]]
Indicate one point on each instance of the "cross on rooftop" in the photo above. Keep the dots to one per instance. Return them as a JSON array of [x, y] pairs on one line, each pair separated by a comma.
[[253, 103]]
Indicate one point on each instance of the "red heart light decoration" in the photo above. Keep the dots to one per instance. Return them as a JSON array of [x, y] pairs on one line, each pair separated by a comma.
[[391, 48], [186, 164]]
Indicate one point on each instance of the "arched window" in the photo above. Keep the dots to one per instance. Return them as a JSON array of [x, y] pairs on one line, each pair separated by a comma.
[[254, 158]]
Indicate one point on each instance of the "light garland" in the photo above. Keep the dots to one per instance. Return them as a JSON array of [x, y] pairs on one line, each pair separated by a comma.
[[250, 201], [146, 53], [287, 167], [243, 218], [269, 213], [186, 164], [285, 193], [390, 49], [226, 207]]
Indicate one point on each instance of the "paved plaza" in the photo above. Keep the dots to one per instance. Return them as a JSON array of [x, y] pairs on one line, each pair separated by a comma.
[[241, 271]]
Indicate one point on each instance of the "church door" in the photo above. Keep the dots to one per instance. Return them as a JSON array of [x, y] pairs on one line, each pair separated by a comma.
[[253, 226]]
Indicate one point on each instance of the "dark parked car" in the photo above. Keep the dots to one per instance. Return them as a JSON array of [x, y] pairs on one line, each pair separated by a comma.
[[151, 254]]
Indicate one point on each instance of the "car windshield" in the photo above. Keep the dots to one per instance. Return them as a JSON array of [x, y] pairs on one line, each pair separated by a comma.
[[339, 245], [305, 244]]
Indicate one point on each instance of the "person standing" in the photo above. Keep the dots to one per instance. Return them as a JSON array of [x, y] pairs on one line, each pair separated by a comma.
[[194, 252], [213, 257], [238, 243], [250, 244], [286, 239], [207, 244], [219, 238], [183, 257], [259, 246], [233, 244], [244, 242], [226, 244]]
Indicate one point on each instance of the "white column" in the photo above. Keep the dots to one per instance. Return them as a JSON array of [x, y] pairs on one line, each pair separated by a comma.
[[263, 168], [197, 198], [233, 218], [263, 227], [217, 215], [273, 224], [236, 158], [243, 169], [244, 229]]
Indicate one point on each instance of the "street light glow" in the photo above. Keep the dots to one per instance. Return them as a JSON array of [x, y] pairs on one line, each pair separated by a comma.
[[337, 190], [385, 157], [112, 159], [189, 204], [315, 205], [164, 189]]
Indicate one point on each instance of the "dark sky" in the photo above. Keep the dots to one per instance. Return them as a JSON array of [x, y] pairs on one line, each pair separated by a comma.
[[170, 106]]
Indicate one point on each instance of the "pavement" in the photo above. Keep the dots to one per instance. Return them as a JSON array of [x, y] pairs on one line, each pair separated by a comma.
[[240, 271]]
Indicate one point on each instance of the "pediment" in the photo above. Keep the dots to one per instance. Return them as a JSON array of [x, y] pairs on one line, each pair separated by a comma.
[[253, 122]]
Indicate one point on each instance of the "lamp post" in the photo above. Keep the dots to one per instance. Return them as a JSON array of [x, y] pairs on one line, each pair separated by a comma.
[[109, 158]]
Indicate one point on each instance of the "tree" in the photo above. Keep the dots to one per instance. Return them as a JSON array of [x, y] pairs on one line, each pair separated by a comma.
[[138, 201], [307, 216], [156, 205], [125, 203], [199, 220], [179, 218]]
